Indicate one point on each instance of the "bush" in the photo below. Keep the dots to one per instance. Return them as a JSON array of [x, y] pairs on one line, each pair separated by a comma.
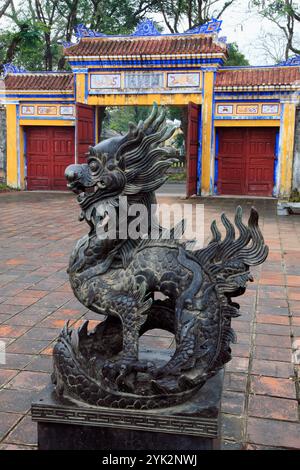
[[295, 196]]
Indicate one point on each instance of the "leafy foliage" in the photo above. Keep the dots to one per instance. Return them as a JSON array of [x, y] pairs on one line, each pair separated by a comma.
[[285, 14], [24, 44], [38, 28], [117, 118], [177, 13], [295, 195], [236, 57], [34, 30]]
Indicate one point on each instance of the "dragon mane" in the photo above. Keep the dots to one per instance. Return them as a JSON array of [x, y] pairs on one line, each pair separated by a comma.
[[138, 154]]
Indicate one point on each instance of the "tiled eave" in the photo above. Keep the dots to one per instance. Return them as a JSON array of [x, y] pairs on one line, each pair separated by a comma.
[[148, 61], [40, 92], [146, 57], [258, 88], [258, 78], [146, 46], [36, 82]]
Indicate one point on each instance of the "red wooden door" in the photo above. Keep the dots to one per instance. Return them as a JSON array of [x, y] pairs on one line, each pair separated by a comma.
[[49, 150], [192, 149], [231, 161], [260, 161], [246, 161], [85, 130], [38, 155]]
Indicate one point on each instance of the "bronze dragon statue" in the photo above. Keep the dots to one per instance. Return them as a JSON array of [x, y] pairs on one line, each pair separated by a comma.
[[118, 277]]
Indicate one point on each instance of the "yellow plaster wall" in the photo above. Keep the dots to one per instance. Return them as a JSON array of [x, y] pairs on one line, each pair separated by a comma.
[[46, 122], [144, 100], [80, 87], [287, 148], [21, 181], [247, 123], [47, 97], [207, 112], [12, 145], [96, 125]]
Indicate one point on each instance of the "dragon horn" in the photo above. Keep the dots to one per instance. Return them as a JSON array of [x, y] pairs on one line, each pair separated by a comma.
[[152, 116]]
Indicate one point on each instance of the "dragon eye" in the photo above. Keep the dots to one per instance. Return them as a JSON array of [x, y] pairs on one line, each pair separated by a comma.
[[94, 166], [101, 184]]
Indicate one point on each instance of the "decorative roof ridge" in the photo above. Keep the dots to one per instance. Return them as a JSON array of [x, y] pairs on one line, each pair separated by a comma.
[[147, 38], [255, 67], [212, 26], [41, 73], [294, 60], [161, 37], [222, 42], [146, 28], [10, 67]]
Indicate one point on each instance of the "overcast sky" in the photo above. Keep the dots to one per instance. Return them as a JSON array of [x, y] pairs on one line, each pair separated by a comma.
[[246, 28]]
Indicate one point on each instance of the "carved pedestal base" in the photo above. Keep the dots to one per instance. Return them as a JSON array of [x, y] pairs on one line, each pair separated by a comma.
[[65, 425], [74, 437]]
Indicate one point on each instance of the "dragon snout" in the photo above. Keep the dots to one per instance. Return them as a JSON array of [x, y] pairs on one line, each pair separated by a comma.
[[72, 173], [75, 178]]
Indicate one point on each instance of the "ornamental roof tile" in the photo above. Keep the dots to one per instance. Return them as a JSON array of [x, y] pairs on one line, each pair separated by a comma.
[[40, 81], [120, 46], [258, 76]]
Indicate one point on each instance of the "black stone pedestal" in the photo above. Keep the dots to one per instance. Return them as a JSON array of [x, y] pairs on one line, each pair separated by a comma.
[[66, 425]]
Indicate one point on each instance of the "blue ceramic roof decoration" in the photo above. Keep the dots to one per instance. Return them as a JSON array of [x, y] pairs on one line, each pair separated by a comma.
[[146, 28], [81, 31], [10, 68], [295, 60], [67, 44], [213, 26]]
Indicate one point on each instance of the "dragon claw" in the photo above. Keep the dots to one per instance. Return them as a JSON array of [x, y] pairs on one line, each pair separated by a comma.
[[123, 370], [117, 370]]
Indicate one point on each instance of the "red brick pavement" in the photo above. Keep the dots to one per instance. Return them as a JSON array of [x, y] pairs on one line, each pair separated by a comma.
[[261, 391]]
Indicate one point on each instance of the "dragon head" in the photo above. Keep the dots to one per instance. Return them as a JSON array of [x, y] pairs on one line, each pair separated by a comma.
[[125, 165], [100, 178]]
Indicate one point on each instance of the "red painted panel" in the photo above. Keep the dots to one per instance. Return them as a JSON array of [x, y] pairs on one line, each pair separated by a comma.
[[231, 161], [260, 161], [192, 149], [49, 150], [38, 151], [63, 155], [246, 161], [85, 130]]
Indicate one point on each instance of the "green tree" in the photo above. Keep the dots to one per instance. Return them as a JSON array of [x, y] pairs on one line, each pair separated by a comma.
[[4, 6], [285, 14], [24, 44], [55, 20], [177, 13], [179, 113], [235, 57], [117, 118]]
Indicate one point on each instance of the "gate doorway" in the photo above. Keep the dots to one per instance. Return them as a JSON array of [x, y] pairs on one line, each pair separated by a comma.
[[114, 121], [49, 150], [192, 149], [245, 161]]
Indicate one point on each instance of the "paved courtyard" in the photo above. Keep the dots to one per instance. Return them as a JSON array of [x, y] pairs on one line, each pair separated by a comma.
[[261, 392]]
